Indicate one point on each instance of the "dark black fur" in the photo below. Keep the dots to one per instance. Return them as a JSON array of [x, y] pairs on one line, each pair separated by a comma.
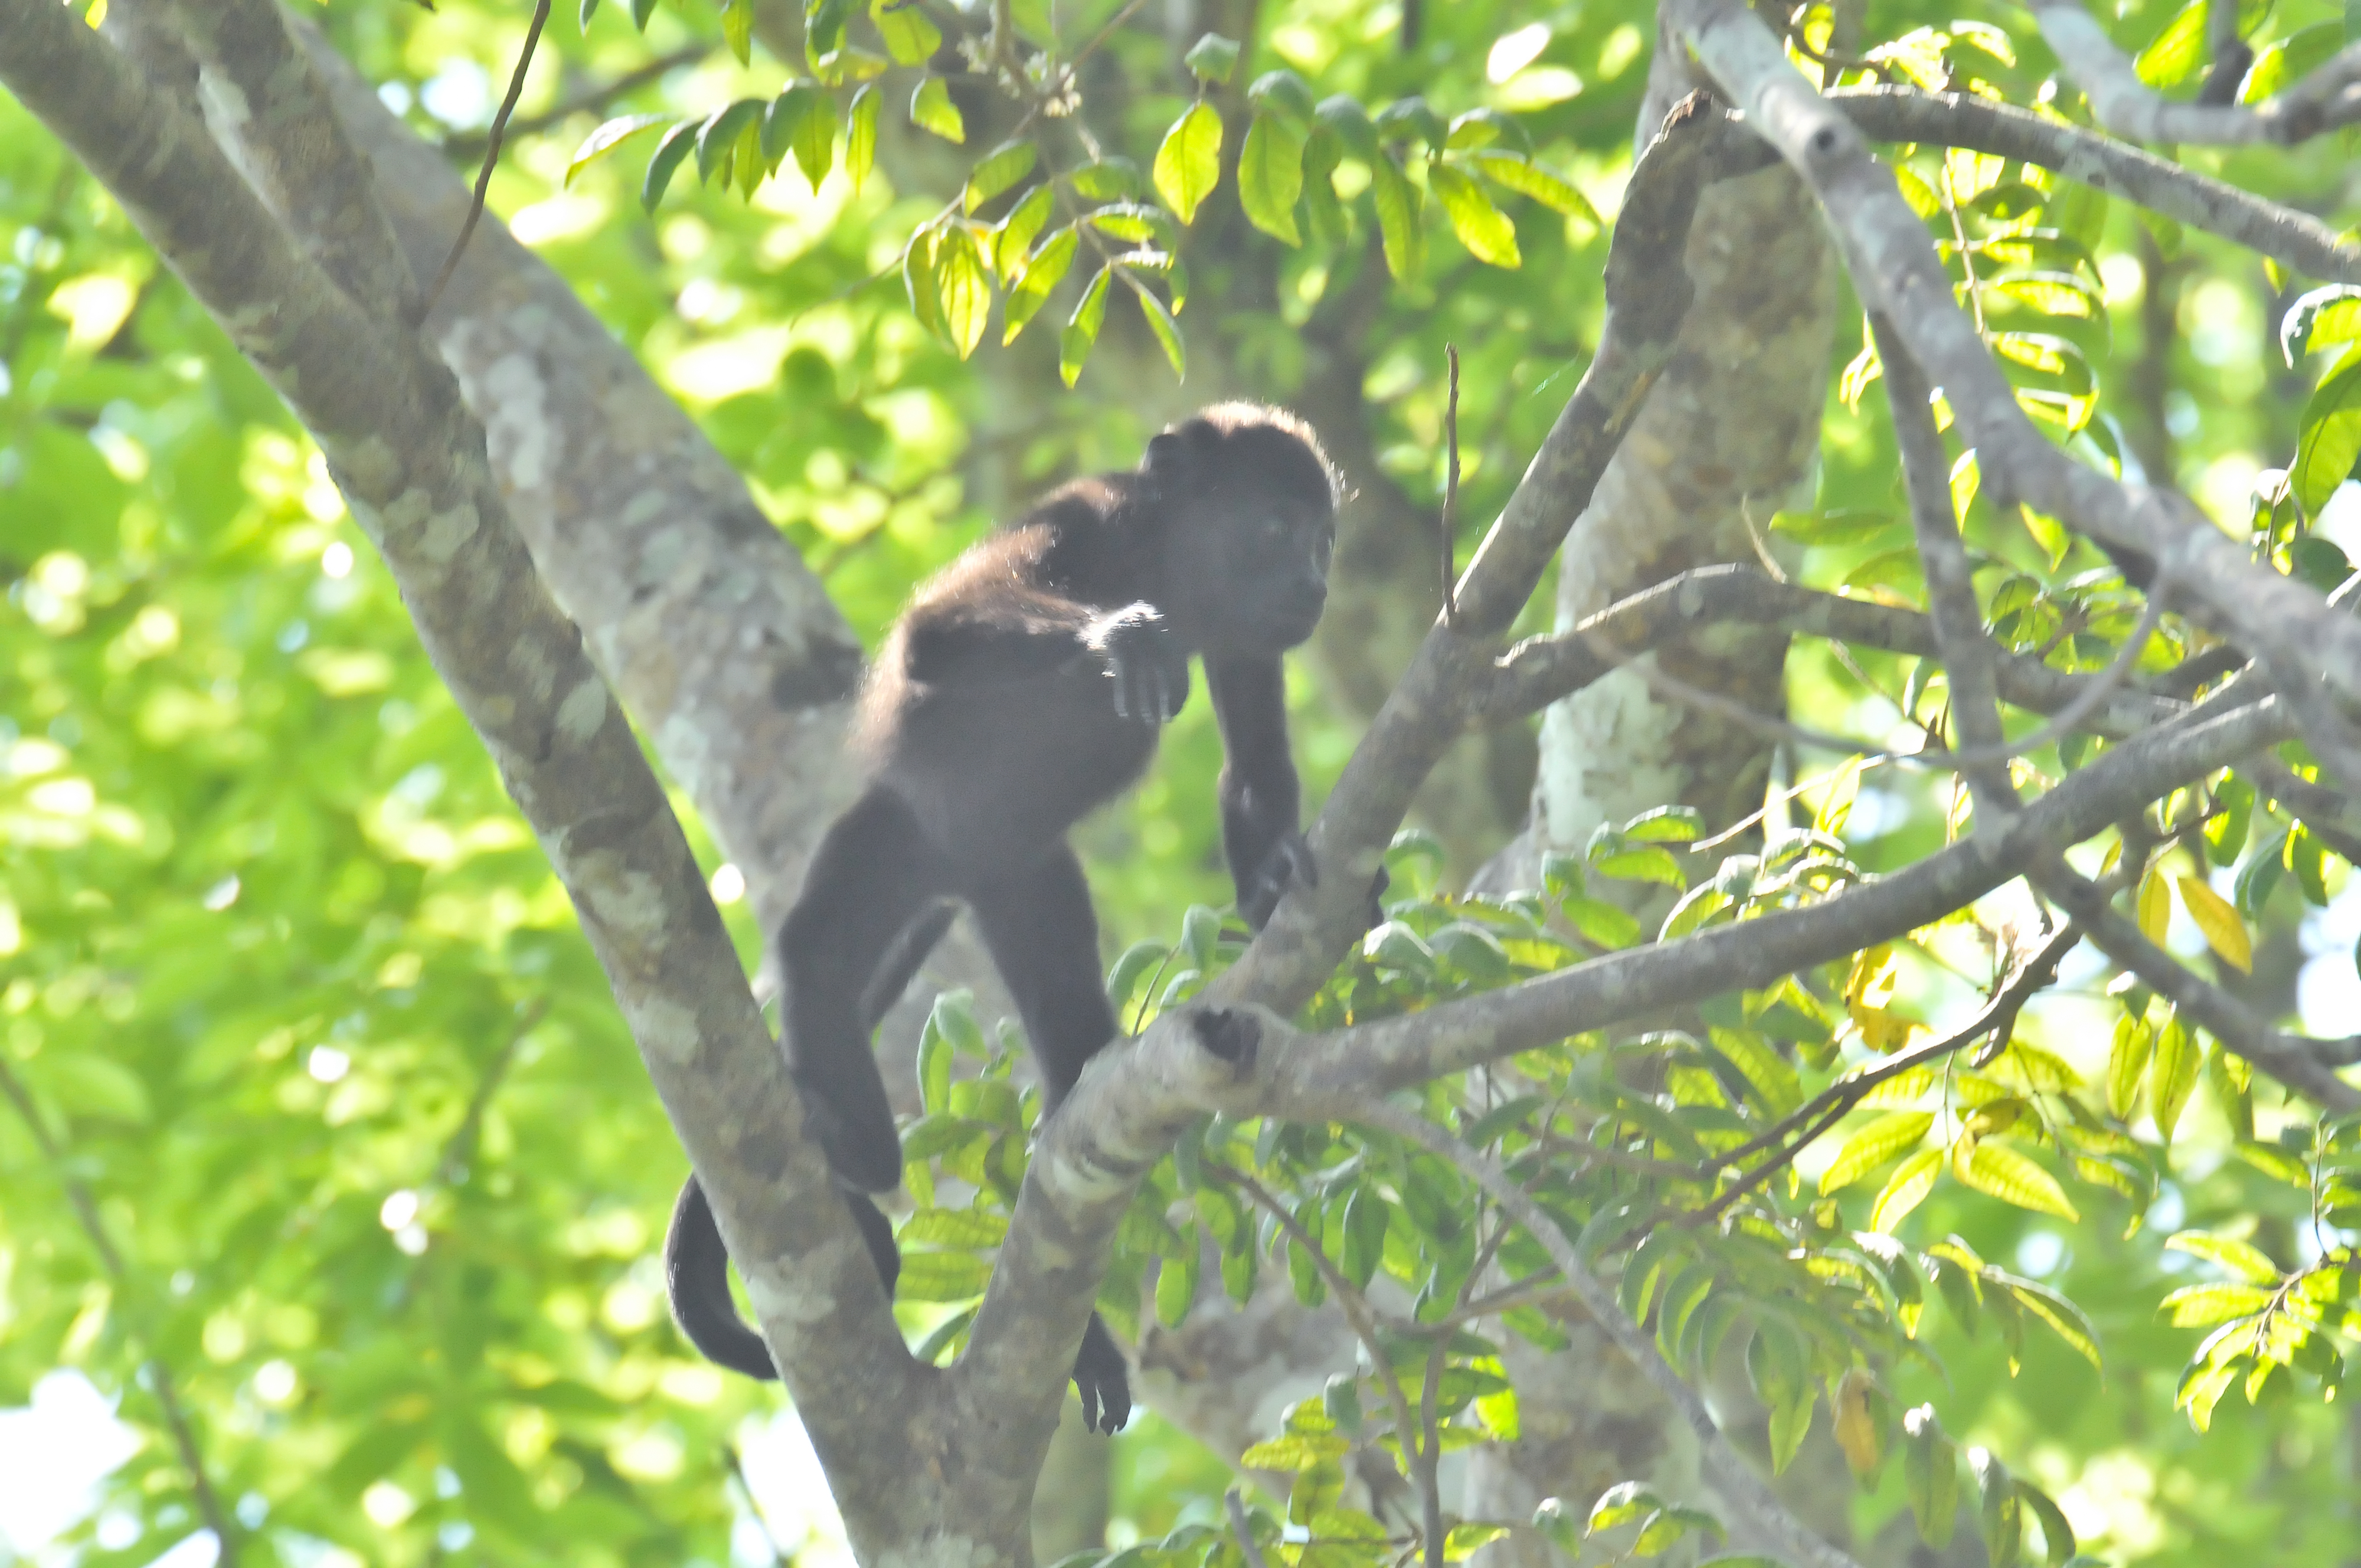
[[1024, 686]]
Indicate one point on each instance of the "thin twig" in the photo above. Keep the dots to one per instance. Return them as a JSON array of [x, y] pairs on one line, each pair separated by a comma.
[[2033, 974], [753, 1505], [461, 1145], [1451, 491], [491, 159], [1355, 1305], [1243, 1527], [160, 1377], [1724, 1469], [472, 144]]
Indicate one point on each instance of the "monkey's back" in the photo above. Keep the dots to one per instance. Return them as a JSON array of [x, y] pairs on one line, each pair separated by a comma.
[[997, 752]]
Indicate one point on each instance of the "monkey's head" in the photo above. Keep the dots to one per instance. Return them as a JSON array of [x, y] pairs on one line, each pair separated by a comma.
[[1245, 502]]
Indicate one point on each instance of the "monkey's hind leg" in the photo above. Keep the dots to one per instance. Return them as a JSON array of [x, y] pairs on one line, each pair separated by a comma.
[[1045, 941], [873, 876]]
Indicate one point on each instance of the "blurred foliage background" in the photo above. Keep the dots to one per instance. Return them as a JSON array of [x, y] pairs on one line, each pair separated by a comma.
[[322, 1131]]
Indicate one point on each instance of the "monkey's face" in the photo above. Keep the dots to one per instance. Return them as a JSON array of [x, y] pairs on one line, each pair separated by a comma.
[[1251, 568]]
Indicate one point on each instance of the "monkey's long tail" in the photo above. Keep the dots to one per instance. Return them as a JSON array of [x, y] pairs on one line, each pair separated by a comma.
[[696, 1264], [697, 1279]]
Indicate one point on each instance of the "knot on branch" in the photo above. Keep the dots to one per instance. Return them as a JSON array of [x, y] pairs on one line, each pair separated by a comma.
[[1229, 1034]]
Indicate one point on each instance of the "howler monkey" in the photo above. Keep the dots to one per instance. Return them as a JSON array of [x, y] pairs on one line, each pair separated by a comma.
[[1022, 687]]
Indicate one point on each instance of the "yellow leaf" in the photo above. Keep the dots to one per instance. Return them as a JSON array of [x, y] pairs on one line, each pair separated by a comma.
[[2224, 932], [2155, 906], [1905, 1189], [1874, 1144], [2002, 1172], [1856, 1430]]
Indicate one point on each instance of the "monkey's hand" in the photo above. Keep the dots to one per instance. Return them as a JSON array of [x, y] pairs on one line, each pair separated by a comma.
[[1145, 659], [1288, 861]]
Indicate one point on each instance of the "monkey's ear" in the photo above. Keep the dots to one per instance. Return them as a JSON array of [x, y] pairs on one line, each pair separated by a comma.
[[1167, 458]]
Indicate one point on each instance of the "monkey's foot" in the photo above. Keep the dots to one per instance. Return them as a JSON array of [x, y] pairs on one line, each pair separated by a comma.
[[1102, 1380]]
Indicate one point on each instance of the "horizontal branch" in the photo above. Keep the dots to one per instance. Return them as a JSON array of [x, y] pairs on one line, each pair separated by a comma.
[[1398, 1052], [1959, 119], [1895, 267], [1539, 670], [2329, 97]]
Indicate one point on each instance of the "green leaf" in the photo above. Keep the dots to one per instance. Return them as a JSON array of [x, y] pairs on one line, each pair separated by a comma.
[[607, 138], [909, 37], [1666, 825], [966, 290], [1999, 1171], [1167, 331], [860, 135], [2331, 440], [677, 144], [2128, 1065], [1008, 163], [931, 109], [1771, 1076], [2003, 1520], [1280, 92], [2173, 1076], [823, 22], [1044, 272], [1176, 1284], [1892, 1133], [802, 120], [2056, 1535], [1188, 162], [1482, 227], [1082, 332], [2249, 1262], [1398, 219], [2324, 318], [640, 11], [1213, 58], [738, 28], [1600, 923], [2195, 1305], [1482, 127], [1012, 237], [2226, 830], [2062, 1317], [1109, 179], [970, 1230], [2176, 52], [1640, 863], [717, 137], [942, 1277], [1930, 1475], [1528, 179], [1270, 177]]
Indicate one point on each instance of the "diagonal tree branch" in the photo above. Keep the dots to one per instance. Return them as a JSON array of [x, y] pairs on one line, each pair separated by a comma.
[[2300, 1063], [2329, 97], [1894, 265], [1959, 119], [410, 462]]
